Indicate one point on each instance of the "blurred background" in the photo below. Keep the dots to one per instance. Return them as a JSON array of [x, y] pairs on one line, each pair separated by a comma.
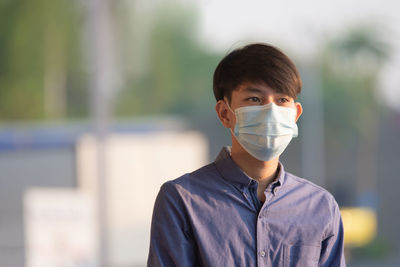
[[103, 101]]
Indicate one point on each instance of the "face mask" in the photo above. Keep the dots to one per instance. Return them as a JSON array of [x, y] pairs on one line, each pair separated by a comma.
[[265, 131]]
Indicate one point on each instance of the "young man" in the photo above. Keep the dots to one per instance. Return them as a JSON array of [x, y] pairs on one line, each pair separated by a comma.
[[244, 209]]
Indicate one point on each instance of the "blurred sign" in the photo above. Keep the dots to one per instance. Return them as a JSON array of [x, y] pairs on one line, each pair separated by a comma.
[[136, 167], [359, 225], [59, 228]]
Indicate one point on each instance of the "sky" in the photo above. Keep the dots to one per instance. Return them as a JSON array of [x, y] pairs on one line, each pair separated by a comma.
[[301, 26]]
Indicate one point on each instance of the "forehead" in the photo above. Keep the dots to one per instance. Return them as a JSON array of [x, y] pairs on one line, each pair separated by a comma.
[[257, 88]]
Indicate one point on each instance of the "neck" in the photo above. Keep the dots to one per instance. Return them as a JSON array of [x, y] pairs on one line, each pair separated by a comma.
[[262, 171]]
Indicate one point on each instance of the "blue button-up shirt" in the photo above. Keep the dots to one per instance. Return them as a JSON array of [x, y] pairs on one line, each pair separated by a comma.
[[213, 217]]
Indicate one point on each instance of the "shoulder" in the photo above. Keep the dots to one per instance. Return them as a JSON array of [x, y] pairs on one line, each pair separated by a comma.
[[200, 179], [292, 180], [314, 192]]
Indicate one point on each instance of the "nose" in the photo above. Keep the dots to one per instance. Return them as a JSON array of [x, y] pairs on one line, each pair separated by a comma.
[[268, 99]]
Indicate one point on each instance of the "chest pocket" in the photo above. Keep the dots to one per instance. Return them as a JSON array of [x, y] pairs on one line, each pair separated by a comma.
[[300, 255]]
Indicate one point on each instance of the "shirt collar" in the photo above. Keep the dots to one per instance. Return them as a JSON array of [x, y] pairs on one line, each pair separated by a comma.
[[232, 172]]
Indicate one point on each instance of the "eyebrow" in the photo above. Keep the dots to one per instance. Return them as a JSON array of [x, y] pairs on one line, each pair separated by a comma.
[[253, 90]]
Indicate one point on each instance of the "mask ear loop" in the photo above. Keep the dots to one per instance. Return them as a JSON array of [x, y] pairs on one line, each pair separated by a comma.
[[229, 107]]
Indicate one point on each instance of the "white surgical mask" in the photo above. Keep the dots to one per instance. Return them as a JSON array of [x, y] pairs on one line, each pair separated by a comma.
[[265, 131]]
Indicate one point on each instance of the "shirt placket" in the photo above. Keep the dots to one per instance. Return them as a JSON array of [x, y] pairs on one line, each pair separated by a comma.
[[250, 193], [263, 241]]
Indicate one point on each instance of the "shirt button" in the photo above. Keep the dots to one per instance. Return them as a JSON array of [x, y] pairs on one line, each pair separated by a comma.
[[275, 190], [262, 253]]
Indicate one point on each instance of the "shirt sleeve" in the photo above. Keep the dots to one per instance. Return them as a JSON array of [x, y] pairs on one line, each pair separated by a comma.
[[332, 254], [171, 243]]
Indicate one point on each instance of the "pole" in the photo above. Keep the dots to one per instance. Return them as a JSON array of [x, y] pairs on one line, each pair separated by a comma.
[[313, 142], [102, 83]]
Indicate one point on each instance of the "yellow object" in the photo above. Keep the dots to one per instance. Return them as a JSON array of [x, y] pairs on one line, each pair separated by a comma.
[[359, 225]]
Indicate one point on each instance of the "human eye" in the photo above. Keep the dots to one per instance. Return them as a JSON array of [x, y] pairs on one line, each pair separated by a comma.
[[254, 99], [283, 100]]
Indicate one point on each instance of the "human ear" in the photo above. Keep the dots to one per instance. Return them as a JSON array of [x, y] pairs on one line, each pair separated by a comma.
[[224, 114], [299, 109]]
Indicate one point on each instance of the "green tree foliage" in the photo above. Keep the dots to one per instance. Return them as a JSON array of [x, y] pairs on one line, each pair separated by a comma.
[[178, 76], [39, 59], [350, 71]]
